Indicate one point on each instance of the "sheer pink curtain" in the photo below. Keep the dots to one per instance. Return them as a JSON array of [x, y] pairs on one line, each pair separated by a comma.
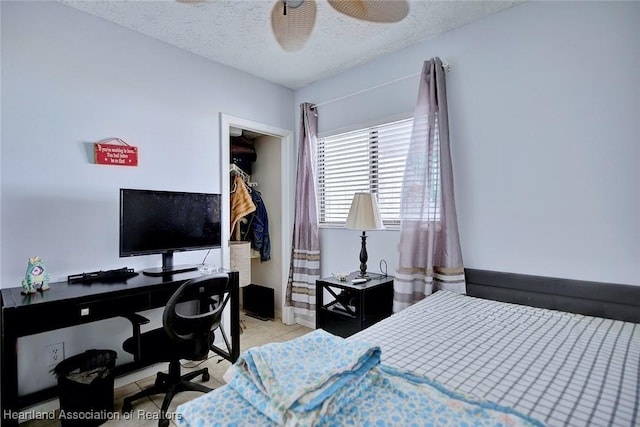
[[430, 254], [305, 258]]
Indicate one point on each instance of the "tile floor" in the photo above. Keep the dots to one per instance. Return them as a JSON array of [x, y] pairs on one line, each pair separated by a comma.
[[257, 332]]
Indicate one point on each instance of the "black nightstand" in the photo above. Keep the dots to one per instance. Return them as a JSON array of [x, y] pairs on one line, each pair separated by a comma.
[[352, 307]]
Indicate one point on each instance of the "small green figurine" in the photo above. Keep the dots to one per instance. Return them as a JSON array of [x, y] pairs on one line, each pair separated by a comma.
[[37, 278]]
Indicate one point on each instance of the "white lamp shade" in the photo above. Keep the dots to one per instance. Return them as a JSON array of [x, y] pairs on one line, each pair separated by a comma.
[[364, 213]]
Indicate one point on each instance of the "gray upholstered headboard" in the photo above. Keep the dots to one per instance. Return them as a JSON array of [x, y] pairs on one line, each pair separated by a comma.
[[613, 301]]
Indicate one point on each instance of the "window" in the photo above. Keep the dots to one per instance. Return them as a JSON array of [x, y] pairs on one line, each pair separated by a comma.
[[422, 178], [369, 160]]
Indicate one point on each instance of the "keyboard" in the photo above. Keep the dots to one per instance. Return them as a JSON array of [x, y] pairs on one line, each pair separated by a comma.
[[117, 275]]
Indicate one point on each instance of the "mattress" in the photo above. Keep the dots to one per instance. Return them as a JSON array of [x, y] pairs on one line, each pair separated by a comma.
[[320, 379], [560, 368]]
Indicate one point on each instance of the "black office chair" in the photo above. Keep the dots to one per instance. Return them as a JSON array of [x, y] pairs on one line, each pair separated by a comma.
[[193, 312]]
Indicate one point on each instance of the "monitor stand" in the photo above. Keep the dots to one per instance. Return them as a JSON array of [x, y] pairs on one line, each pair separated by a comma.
[[160, 271], [168, 268]]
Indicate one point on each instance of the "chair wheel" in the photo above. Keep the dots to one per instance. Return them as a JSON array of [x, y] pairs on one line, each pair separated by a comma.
[[205, 376], [127, 407], [163, 422]]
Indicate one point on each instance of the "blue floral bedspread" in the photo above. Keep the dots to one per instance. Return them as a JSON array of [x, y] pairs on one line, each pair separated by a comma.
[[321, 379]]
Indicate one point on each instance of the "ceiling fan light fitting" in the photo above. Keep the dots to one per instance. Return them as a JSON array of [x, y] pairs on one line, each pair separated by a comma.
[[293, 4]]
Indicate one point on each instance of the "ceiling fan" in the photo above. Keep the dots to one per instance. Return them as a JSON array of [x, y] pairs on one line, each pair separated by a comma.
[[292, 20]]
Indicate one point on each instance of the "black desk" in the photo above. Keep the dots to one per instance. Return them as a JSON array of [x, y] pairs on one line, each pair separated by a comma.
[[67, 305]]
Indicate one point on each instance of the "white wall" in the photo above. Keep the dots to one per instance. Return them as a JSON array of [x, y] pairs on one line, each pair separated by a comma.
[[543, 104], [70, 79]]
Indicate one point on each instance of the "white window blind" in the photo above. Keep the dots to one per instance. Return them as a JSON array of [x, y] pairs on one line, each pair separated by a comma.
[[369, 160]]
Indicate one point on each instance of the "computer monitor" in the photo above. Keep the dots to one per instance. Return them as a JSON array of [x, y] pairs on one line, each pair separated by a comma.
[[164, 222]]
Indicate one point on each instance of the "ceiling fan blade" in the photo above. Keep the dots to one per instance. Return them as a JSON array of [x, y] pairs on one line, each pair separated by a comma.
[[293, 29], [373, 10]]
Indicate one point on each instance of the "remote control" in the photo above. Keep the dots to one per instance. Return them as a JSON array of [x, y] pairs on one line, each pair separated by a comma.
[[358, 281]]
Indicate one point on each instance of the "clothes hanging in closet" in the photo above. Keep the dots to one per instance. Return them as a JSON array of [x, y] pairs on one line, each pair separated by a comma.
[[241, 202], [258, 228]]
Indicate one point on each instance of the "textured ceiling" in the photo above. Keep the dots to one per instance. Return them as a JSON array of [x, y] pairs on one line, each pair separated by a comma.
[[238, 33]]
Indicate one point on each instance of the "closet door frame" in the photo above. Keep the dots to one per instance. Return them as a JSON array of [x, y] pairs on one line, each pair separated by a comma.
[[286, 179]]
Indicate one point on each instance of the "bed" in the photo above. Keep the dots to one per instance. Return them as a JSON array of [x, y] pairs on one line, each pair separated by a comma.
[[500, 349]]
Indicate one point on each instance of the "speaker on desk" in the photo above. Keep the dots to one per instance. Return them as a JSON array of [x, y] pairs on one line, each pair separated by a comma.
[[258, 301]]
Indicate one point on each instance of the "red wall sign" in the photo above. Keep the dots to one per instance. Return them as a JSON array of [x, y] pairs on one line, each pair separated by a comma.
[[112, 154]]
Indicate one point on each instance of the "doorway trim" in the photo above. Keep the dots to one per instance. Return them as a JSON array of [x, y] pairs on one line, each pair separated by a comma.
[[286, 141]]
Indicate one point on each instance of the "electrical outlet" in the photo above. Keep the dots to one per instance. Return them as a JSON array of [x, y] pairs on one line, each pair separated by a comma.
[[55, 354]]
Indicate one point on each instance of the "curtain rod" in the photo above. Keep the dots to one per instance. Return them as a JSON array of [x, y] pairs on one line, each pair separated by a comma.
[[445, 66]]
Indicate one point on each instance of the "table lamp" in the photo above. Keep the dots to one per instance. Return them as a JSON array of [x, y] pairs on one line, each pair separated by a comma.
[[364, 215]]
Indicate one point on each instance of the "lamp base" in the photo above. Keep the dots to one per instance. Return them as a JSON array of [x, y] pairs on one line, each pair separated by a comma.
[[363, 258]]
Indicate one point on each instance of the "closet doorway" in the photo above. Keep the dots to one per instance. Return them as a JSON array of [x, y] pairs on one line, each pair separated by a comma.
[[272, 172]]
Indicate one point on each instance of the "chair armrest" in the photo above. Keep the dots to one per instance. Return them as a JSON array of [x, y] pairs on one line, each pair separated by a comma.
[[136, 321]]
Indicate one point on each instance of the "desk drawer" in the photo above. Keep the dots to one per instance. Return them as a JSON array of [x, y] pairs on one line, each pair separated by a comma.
[[90, 311], [32, 319]]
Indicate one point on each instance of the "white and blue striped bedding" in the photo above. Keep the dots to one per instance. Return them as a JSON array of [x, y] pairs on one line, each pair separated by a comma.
[[559, 368]]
